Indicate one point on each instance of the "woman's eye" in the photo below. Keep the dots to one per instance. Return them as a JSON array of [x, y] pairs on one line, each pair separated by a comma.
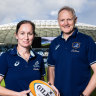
[[30, 33], [22, 33]]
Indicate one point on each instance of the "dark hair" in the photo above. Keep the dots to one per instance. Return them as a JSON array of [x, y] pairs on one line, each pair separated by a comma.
[[68, 9], [25, 22]]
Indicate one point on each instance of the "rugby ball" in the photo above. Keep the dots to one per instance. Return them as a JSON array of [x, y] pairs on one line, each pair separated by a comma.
[[41, 88]]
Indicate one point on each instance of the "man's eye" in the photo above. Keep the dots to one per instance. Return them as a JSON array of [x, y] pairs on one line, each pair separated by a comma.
[[62, 20], [69, 19]]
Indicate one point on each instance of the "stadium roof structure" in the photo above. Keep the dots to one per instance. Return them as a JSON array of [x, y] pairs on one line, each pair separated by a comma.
[[44, 28]]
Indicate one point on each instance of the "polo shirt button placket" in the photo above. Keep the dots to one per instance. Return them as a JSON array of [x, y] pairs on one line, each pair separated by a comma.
[[26, 66]]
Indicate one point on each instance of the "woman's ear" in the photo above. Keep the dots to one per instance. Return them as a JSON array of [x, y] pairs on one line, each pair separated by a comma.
[[15, 34]]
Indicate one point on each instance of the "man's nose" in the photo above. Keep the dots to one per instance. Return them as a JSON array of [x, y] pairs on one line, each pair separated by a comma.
[[66, 22]]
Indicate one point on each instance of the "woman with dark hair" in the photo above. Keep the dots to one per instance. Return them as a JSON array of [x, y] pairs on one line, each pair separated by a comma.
[[21, 65]]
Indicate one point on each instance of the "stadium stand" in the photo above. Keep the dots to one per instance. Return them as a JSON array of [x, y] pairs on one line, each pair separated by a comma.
[[44, 28]]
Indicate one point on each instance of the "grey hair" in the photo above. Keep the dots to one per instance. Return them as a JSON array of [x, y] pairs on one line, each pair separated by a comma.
[[68, 9]]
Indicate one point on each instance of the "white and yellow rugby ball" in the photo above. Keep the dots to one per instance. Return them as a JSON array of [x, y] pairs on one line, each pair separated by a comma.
[[41, 88]]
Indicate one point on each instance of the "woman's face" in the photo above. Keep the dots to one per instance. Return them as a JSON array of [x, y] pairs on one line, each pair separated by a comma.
[[25, 35]]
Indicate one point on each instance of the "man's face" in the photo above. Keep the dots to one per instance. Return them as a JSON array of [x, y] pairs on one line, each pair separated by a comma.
[[66, 21]]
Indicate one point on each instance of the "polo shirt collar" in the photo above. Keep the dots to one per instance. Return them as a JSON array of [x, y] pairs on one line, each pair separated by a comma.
[[32, 53], [15, 52], [73, 35]]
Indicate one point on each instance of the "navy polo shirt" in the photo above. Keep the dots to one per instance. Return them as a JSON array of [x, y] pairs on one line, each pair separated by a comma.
[[17, 72], [72, 59]]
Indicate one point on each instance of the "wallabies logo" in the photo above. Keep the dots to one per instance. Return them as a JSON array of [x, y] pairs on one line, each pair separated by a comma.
[[76, 45]]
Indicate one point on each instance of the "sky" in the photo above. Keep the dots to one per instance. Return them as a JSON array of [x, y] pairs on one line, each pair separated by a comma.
[[16, 10]]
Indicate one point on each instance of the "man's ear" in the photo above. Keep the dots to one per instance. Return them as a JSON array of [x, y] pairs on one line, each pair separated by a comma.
[[75, 21]]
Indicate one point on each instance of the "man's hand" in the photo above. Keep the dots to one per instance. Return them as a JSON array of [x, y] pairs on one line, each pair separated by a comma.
[[55, 89]]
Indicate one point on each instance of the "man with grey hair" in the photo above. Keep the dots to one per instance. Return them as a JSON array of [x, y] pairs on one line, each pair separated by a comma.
[[71, 57]]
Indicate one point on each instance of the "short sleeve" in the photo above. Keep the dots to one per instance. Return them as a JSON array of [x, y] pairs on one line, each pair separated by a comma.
[[42, 68], [91, 51], [50, 59], [3, 64]]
